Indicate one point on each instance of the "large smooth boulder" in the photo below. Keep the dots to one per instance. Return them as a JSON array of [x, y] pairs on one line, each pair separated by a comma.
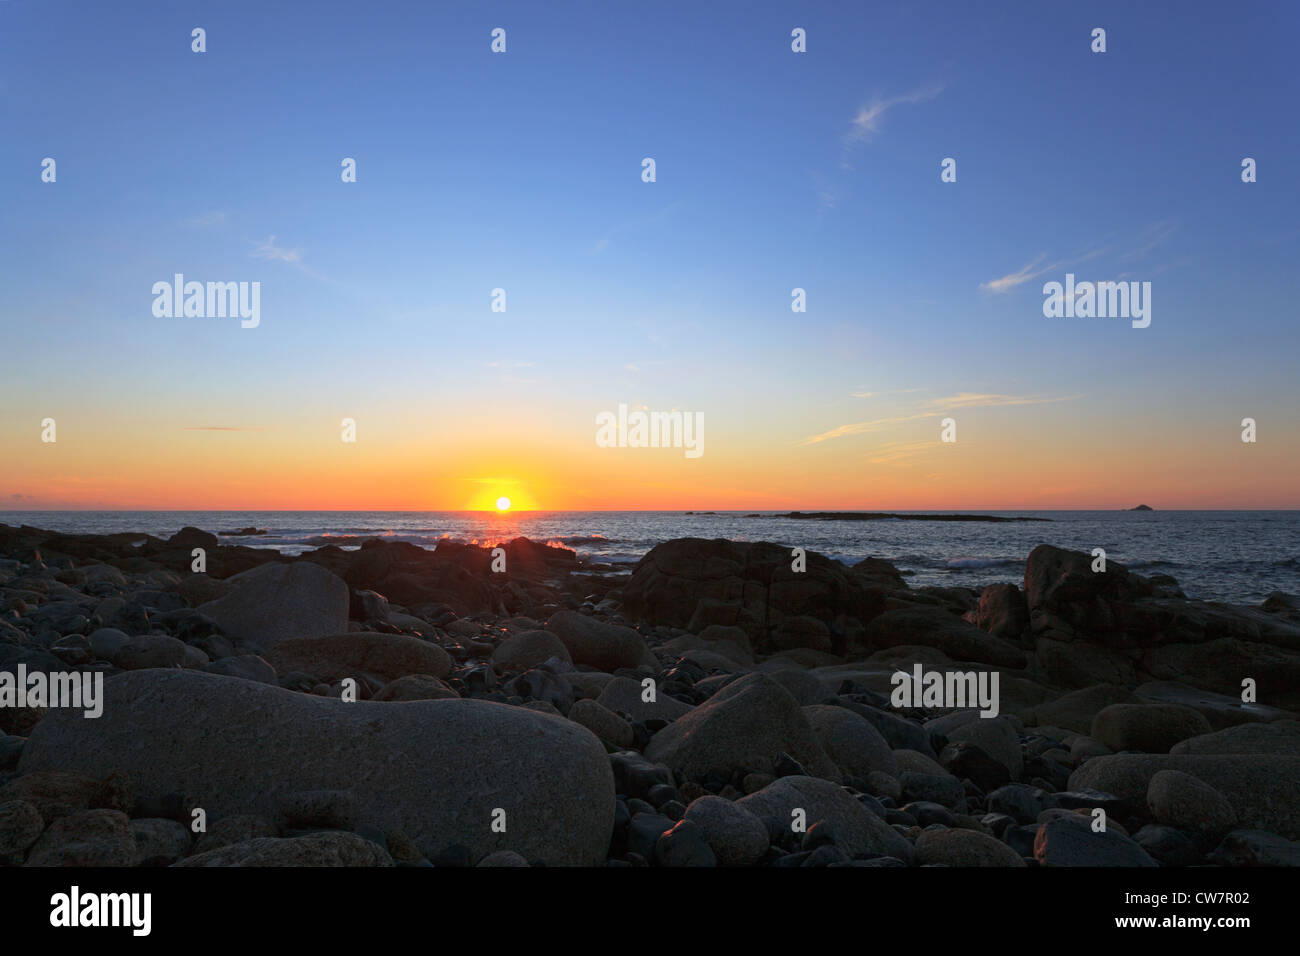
[[1151, 728], [624, 695], [518, 652], [745, 726], [1264, 790], [335, 656], [850, 740], [1282, 737], [276, 602], [314, 849], [964, 848], [598, 644], [435, 770]]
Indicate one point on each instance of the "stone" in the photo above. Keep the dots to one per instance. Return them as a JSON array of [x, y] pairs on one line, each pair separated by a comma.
[[159, 842], [684, 845], [435, 769], [325, 809], [336, 656], [745, 726], [996, 737], [233, 829], [602, 722], [518, 652], [328, 848], [1281, 737], [1180, 800], [1076, 710], [150, 650], [58, 793], [594, 643], [416, 687], [1167, 846], [1071, 841], [624, 695], [86, 838], [963, 848], [1264, 790], [1151, 728], [1256, 848], [858, 830], [21, 824], [851, 741], [245, 667], [275, 602], [941, 788], [502, 858], [736, 836]]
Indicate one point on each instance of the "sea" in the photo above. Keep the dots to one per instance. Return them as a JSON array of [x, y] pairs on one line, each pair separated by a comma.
[[1236, 557]]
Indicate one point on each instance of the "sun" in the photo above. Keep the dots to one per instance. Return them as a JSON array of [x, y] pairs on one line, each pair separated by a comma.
[[503, 503]]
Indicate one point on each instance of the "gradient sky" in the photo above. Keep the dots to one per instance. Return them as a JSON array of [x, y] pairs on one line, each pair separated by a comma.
[[523, 171]]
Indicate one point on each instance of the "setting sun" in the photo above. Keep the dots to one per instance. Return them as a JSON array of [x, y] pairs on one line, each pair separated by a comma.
[[503, 504]]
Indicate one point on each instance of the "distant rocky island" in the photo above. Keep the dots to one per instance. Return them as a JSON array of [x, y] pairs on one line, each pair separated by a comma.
[[884, 516], [1142, 508]]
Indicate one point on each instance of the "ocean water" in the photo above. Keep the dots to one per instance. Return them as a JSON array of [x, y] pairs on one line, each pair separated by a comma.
[[1231, 556]]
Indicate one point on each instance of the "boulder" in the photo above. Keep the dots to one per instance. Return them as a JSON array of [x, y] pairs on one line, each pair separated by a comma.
[[434, 769], [329, 848], [336, 656], [276, 602], [1151, 728], [598, 644], [1264, 790], [851, 741], [745, 726], [736, 836], [857, 830], [963, 848], [1182, 801], [518, 652]]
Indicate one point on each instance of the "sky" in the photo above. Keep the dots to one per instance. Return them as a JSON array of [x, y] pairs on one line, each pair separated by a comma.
[[522, 170]]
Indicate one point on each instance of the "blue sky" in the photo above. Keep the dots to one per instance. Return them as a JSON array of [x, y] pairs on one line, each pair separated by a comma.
[[775, 170]]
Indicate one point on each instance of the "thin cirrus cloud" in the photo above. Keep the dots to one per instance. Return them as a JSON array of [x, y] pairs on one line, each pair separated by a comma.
[[269, 250], [868, 119], [1153, 237], [934, 409]]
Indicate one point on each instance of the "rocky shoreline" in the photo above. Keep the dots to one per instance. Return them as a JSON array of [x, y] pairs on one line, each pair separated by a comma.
[[726, 704]]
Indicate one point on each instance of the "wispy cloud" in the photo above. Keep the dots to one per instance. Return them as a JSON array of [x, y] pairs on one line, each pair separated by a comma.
[[991, 400], [1031, 271], [269, 250], [857, 428], [508, 364], [868, 119], [892, 391], [221, 428], [933, 409]]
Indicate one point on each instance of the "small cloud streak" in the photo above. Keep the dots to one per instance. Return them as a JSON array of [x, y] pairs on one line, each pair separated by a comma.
[[269, 250], [221, 428], [936, 408], [867, 122]]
